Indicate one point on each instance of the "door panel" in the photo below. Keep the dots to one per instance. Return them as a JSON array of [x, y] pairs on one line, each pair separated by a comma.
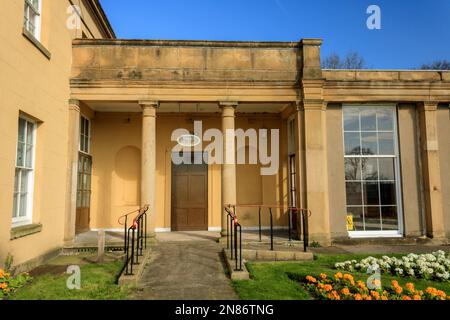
[[189, 197]]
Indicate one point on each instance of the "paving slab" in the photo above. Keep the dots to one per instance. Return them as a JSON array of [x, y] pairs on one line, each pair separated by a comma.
[[185, 270]]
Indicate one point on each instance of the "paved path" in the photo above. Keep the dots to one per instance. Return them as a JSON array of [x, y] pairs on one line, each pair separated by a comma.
[[186, 270]]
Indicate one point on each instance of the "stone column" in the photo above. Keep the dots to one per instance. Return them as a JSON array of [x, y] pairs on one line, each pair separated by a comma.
[[315, 170], [434, 214], [229, 165], [72, 171], [148, 159]]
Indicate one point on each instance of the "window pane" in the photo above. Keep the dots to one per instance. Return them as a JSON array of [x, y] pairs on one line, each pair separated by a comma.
[[353, 191], [389, 218], [81, 143], [86, 127], [370, 168], [352, 169], [386, 168], [370, 193], [22, 126], [16, 180], [372, 219], [86, 144], [385, 119], [20, 154], [23, 205], [387, 190], [29, 156], [352, 145], [369, 143], [357, 214], [15, 213], [351, 119], [81, 125], [386, 141], [79, 193], [24, 181], [368, 120], [30, 128]]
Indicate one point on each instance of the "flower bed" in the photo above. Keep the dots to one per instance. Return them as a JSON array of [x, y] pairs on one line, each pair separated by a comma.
[[8, 283], [434, 266], [344, 287]]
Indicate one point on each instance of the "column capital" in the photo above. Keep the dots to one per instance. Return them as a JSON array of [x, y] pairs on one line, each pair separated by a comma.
[[311, 105], [429, 105], [74, 105], [230, 104], [149, 103]]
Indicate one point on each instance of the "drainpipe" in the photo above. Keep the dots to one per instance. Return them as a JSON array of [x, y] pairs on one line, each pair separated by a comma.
[[421, 181]]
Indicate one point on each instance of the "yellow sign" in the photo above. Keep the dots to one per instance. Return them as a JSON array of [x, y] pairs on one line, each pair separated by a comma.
[[350, 225]]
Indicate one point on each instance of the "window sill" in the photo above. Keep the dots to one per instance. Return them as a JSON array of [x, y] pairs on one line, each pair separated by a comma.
[[27, 230], [36, 43]]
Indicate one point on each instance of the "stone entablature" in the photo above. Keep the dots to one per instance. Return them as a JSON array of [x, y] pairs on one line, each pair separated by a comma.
[[185, 61]]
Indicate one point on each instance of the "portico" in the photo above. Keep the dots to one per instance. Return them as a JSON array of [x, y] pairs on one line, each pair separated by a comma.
[[137, 93]]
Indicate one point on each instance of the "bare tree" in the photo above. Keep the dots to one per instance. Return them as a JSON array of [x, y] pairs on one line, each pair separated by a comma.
[[352, 60], [437, 65]]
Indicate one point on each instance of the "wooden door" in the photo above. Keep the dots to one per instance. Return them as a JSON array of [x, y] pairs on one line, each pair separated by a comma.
[[190, 197], [83, 193]]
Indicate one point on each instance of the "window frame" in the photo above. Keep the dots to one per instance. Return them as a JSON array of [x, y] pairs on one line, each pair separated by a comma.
[[18, 221], [397, 175], [28, 5], [82, 135]]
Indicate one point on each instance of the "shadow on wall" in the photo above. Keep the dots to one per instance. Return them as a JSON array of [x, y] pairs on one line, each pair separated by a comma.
[[126, 180]]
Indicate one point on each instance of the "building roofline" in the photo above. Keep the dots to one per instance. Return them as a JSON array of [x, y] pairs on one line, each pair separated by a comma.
[[185, 43], [102, 18]]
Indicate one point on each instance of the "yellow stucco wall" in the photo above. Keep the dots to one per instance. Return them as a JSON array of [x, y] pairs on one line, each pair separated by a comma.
[[116, 139], [32, 84]]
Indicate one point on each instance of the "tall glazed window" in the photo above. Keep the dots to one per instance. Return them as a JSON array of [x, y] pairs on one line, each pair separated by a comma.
[[372, 175]]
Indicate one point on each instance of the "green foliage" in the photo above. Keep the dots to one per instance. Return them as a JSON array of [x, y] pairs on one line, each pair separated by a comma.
[[98, 282], [9, 284], [280, 280]]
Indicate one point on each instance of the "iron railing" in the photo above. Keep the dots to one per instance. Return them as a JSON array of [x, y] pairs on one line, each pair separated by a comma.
[[234, 232], [303, 232], [135, 238]]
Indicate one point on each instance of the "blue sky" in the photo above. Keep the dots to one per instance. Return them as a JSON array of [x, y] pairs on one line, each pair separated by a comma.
[[413, 31]]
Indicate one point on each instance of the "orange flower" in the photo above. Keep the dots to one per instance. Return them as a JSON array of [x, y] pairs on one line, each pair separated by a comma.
[[410, 287], [376, 282], [345, 291], [2, 273], [311, 279], [3, 285], [328, 287], [417, 297], [358, 297], [394, 283], [398, 290], [384, 298], [323, 276], [338, 275], [375, 294], [361, 284], [406, 298], [366, 297]]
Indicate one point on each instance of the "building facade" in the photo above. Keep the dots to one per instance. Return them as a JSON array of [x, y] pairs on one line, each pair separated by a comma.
[[95, 136]]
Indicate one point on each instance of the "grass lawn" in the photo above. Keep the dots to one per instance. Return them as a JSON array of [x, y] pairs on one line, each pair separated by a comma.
[[98, 282], [280, 280]]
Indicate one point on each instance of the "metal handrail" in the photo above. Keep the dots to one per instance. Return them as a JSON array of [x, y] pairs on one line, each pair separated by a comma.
[[305, 213], [135, 237]]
